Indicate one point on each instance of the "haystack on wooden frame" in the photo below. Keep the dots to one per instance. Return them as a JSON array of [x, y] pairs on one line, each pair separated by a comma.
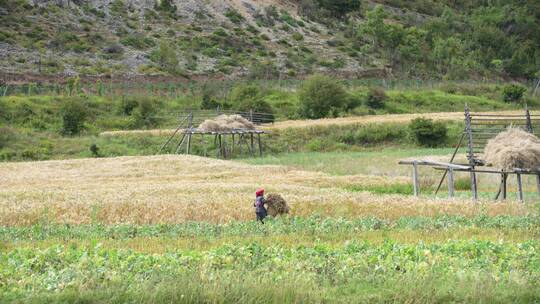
[[479, 129], [226, 142]]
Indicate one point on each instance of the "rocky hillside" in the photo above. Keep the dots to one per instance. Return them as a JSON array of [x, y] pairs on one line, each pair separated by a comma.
[[265, 39]]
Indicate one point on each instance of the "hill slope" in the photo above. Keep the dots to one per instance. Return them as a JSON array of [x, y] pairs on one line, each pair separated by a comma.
[[270, 39]]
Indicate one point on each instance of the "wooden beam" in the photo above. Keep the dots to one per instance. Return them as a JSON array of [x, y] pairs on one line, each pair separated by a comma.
[[474, 186], [252, 145], [504, 186], [416, 184], [520, 187], [451, 160], [260, 145], [450, 182]]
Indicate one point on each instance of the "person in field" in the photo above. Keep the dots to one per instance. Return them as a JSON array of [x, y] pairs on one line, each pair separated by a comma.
[[260, 211]]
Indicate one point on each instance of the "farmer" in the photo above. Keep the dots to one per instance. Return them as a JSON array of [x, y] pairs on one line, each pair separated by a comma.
[[260, 211]]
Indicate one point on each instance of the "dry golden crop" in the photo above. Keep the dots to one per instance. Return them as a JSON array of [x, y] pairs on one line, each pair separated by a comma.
[[174, 189]]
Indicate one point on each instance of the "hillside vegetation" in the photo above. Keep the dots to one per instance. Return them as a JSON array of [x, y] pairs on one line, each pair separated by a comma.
[[272, 39]]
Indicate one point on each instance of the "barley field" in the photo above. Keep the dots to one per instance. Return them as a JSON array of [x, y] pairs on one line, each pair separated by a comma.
[[181, 229]]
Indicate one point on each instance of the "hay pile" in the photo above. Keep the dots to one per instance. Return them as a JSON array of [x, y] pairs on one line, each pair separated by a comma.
[[276, 205], [224, 123], [513, 148]]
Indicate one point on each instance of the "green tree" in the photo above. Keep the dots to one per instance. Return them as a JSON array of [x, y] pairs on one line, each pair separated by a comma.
[[74, 113], [322, 96], [165, 56]]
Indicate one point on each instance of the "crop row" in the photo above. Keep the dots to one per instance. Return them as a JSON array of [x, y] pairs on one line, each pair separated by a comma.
[[286, 225], [60, 268]]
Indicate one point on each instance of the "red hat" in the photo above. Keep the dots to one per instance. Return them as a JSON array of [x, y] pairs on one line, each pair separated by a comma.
[[259, 192]]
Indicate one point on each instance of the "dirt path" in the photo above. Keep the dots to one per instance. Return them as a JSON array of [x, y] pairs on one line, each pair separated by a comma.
[[361, 120]]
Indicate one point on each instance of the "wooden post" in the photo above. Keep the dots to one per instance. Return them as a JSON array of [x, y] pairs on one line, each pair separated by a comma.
[[416, 184], [252, 146], [260, 145], [450, 182], [224, 145], [470, 152], [528, 119], [232, 144], [188, 147], [503, 186], [520, 187], [451, 160], [190, 133]]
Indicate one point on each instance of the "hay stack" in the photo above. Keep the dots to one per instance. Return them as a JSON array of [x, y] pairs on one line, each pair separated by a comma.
[[513, 148], [276, 205], [225, 123]]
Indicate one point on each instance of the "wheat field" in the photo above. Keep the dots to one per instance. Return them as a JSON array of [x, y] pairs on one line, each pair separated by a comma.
[[177, 189], [340, 121]]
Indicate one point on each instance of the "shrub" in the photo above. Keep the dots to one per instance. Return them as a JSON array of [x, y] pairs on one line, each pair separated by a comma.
[[209, 103], [428, 133], [234, 16], [297, 36], [513, 92], [321, 96], [138, 41], [249, 97], [166, 57], [376, 98], [74, 113], [94, 149], [127, 105], [145, 114]]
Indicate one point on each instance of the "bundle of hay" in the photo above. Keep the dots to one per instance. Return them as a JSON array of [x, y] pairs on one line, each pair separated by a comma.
[[276, 205], [225, 123], [513, 148]]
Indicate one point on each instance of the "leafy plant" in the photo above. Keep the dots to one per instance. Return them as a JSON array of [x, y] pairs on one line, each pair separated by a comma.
[[74, 113], [321, 96], [513, 92], [427, 132]]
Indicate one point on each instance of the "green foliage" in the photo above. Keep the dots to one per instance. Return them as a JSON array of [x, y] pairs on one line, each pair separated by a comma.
[[513, 92], [321, 96], [6, 135], [376, 98], [427, 132], [128, 104], [145, 113], [165, 56], [374, 134], [94, 149], [234, 16], [167, 6], [138, 41], [74, 113], [249, 97]]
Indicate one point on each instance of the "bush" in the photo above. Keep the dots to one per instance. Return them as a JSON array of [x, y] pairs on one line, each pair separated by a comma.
[[513, 92], [428, 133], [321, 96], [145, 114], [209, 103], [94, 149], [74, 113], [249, 97], [128, 104], [376, 98]]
